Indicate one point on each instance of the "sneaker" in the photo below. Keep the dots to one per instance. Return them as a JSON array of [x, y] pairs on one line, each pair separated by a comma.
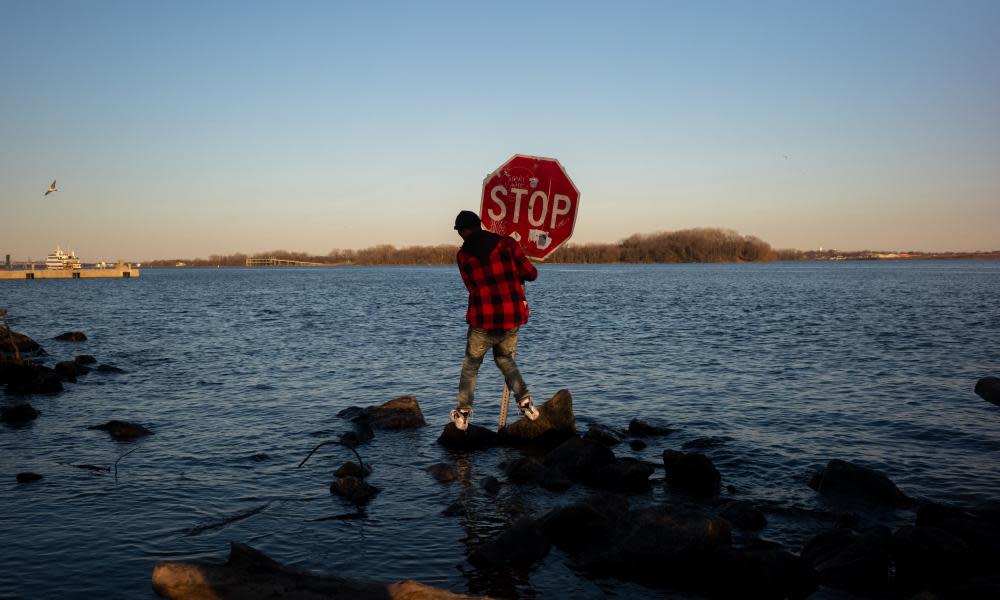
[[460, 417], [527, 408]]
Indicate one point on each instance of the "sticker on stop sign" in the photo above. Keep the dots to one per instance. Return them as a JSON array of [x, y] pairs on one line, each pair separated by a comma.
[[532, 200]]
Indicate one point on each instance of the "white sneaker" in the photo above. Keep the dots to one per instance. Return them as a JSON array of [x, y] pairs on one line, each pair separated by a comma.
[[460, 417], [527, 408]]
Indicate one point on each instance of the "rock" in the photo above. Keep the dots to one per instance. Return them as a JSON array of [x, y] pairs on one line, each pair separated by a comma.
[[692, 472], [744, 515], [85, 359], [355, 489], [555, 424], [473, 438], [520, 545], [623, 475], [361, 433], [705, 443], [847, 482], [529, 469], [851, 560], [400, 413], [761, 570], [352, 469], [444, 473], [70, 370], [28, 477], [72, 336], [351, 413], [109, 369], [988, 389], [979, 529], [929, 558], [603, 435], [579, 459], [123, 431], [29, 378], [490, 484], [13, 343], [639, 428], [19, 414], [637, 445], [588, 526], [455, 509], [251, 575]]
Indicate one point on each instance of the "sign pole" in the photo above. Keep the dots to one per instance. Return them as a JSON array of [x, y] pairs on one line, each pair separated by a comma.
[[505, 397]]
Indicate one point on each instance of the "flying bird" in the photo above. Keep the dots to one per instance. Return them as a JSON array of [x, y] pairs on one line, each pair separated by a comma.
[[52, 188]]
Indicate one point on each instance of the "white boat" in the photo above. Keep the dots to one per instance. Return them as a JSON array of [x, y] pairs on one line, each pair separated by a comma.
[[61, 260]]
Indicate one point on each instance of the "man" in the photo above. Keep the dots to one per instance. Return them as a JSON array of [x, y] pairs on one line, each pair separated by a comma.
[[494, 269]]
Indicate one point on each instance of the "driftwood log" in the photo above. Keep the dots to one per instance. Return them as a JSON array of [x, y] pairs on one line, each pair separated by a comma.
[[251, 575]]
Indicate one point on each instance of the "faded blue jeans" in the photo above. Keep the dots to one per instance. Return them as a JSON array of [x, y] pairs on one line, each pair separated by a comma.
[[503, 344]]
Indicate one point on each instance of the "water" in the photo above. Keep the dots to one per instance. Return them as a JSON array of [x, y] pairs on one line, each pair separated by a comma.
[[797, 363]]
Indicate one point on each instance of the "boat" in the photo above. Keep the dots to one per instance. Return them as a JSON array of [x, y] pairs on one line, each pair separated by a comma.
[[61, 260]]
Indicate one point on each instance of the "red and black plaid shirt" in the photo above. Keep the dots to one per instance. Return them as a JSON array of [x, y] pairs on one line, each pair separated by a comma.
[[496, 285]]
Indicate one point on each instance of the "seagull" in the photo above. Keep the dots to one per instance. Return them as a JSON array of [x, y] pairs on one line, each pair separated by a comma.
[[52, 188]]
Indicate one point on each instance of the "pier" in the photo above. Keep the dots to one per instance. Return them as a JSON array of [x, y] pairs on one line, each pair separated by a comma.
[[281, 262], [115, 272]]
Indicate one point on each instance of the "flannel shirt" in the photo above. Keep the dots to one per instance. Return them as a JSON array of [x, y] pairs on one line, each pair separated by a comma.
[[496, 287]]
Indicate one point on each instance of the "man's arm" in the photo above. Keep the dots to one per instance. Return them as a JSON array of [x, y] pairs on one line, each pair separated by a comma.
[[461, 260], [525, 270]]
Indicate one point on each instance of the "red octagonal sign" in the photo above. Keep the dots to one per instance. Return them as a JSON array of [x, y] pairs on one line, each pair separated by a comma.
[[532, 200]]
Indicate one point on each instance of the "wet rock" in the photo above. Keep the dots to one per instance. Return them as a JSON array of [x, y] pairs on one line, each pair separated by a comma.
[[521, 545], [529, 469], [761, 570], [587, 527], [555, 424], [490, 484], [19, 414], [743, 515], [851, 560], [988, 389], [15, 343], [251, 575], [455, 509], [473, 438], [639, 428], [929, 558], [85, 359], [361, 433], [637, 445], [28, 477], [979, 529], [847, 482], [692, 472], [579, 458], [123, 431], [705, 443], [352, 469], [72, 336], [105, 368], [70, 370], [400, 413], [625, 474], [444, 473], [603, 434], [351, 413], [355, 489], [28, 378]]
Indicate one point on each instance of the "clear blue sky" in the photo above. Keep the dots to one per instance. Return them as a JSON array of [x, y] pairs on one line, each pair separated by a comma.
[[190, 128]]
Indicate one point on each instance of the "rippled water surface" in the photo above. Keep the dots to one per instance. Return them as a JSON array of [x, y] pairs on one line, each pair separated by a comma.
[[241, 372]]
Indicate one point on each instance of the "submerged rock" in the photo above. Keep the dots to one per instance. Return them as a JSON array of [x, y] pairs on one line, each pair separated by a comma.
[[400, 413], [847, 482], [251, 575], [490, 484], [520, 545], [692, 472], [857, 561], [28, 477], [761, 570], [72, 336], [123, 431], [705, 443], [529, 469], [355, 489], [637, 445], [442, 472], [988, 389], [105, 368], [625, 474], [743, 515], [19, 414], [556, 423], [85, 359], [579, 458], [603, 434], [639, 428], [69, 370]]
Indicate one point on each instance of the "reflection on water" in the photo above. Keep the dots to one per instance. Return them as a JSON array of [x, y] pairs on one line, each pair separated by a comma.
[[241, 372]]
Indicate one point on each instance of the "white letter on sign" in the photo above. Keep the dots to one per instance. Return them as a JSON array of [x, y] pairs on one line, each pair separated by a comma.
[[531, 205], [556, 211], [503, 207], [518, 193]]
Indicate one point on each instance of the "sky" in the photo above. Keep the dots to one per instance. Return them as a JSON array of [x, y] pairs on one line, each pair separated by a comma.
[[183, 129]]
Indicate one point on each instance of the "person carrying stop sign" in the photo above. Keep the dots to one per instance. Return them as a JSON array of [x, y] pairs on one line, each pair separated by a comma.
[[494, 269]]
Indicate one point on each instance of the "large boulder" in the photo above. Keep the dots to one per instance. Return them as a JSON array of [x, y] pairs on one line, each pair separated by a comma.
[[251, 575], [691, 472], [12, 343], [520, 545], [988, 389], [72, 336], [123, 431], [26, 378], [587, 527], [19, 414], [473, 438], [979, 529], [847, 482], [761, 570], [556, 423], [929, 558], [857, 561], [401, 413]]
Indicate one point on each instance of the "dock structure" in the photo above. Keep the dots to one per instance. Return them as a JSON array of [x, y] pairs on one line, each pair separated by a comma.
[[115, 272], [281, 262]]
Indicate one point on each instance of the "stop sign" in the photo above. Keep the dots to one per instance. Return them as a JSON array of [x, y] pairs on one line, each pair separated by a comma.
[[532, 200]]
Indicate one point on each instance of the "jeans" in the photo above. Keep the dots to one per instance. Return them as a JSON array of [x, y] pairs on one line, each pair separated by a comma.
[[503, 344]]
